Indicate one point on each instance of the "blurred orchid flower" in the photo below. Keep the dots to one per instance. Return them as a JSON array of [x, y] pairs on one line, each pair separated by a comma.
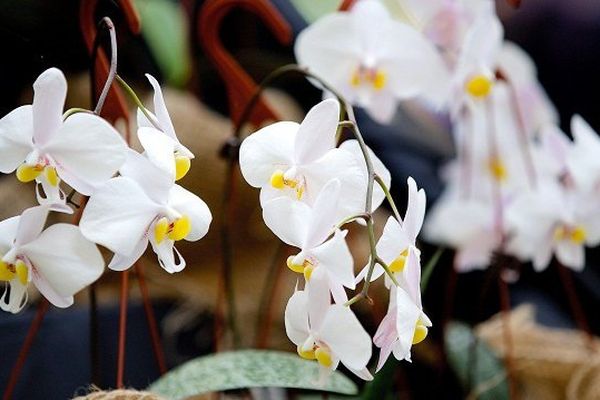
[[309, 229], [297, 160], [397, 246], [59, 260], [144, 205], [565, 222], [328, 333], [158, 137], [84, 150], [582, 158], [466, 225], [404, 325], [371, 59]]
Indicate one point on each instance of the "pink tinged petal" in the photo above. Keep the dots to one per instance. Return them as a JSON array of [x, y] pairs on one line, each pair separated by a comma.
[[266, 151], [316, 134], [160, 109], [323, 216], [386, 332], [406, 319], [353, 147], [49, 292], [296, 318], [159, 148], [121, 262], [8, 233], [334, 257], [31, 224], [88, 151], [415, 212], [187, 203], [169, 257], [50, 92], [384, 354], [17, 299], [571, 255], [16, 132], [64, 262], [118, 215], [346, 337], [412, 275], [287, 219], [155, 182]]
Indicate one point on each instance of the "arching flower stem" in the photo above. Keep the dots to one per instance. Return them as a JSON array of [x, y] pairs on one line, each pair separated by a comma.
[[131, 93]]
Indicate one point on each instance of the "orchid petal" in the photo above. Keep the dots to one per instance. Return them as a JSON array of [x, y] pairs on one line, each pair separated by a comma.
[[187, 203], [266, 151], [296, 318], [335, 257], [287, 219], [50, 92], [118, 215], [346, 337], [155, 182], [406, 321], [169, 257], [571, 255], [122, 262], [316, 134], [88, 151], [8, 232], [159, 148], [415, 211], [160, 109], [31, 224], [393, 241], [16, 133], [64, 259], [319, 299], [323, 218]]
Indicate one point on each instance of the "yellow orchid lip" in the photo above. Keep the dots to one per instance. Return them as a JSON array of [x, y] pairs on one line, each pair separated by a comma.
[[479, 86], [576, 234], [375, 77], [9, 271], [280, 182], [175, 230]]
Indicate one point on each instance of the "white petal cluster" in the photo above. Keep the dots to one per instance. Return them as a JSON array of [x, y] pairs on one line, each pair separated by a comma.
[[133, 199], [310, 188]]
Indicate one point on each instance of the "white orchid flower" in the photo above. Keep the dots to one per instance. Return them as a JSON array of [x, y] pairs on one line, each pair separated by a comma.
[[309, 229], [297, 160], [371, 59], [84, 150], [397, 245], [59, 260], [328, 333], [467, 225], [565, 222], [158, 137], [445, 23], [582, 158], [474, 74], [144, 205], [404, 325]]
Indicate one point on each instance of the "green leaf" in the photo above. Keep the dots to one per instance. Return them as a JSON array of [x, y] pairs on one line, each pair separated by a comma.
[[247, 369], [474, 363], [164, 27], [312, 10]]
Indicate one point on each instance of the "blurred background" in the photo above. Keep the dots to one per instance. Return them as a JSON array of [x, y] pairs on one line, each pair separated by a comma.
[[562, 37]]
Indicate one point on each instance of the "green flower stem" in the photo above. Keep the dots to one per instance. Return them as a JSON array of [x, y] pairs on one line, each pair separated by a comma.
[[428, 270], [388, 196], [353, 218], [75, 110], [131, 93]]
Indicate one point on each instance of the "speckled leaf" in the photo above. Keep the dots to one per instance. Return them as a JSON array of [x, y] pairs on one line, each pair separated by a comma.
[[247, 369], [474, 363]]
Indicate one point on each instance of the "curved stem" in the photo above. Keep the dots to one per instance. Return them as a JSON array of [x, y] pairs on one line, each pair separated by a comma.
[[131, 93], [75, 110], [388, 196], [112, 72]]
